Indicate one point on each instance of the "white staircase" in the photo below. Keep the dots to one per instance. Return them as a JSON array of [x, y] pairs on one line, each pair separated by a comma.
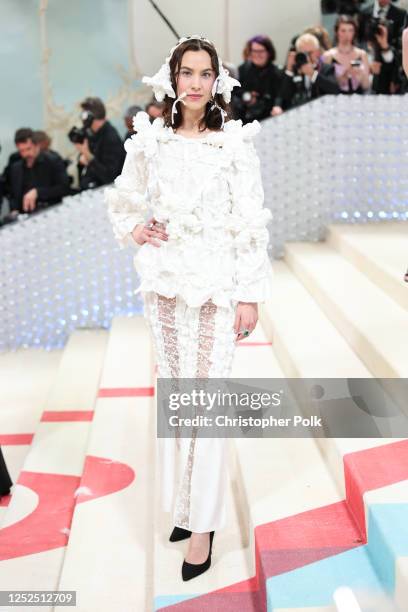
[[303, 513]]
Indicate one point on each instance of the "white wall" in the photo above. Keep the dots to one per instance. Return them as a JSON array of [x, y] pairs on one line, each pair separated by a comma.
[[98, 47]]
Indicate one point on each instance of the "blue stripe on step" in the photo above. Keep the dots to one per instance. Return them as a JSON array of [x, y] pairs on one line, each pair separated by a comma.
[[314, 584], [387, 539], [161, 601]]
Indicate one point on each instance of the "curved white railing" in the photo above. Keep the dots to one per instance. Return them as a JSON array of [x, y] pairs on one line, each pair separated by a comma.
[[335, 159]]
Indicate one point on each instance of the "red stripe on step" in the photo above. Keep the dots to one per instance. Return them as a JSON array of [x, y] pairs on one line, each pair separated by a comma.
[[103, 476], [47, 525], [126, 392], [66, 415], [16, 439], [327, 526], [370, 469]]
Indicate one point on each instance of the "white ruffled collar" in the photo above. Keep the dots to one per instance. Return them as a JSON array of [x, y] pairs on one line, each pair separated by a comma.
[[141, 122]]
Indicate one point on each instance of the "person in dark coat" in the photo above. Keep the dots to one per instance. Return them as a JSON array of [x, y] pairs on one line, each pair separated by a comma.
[[380, 27], [5, 480], [260, 81], [383, 10], [39, 179], [306, 77], [101, 154], [22, 134]]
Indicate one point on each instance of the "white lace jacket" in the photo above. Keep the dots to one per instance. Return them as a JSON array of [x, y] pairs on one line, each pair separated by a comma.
[[208, 191]]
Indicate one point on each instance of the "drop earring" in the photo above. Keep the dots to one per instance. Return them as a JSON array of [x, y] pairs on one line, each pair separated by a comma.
[[222, 111], [174, 110]]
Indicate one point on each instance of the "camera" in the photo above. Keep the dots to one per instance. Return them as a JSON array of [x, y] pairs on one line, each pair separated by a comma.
[[78, 135], [355, 63], [259, 109], [300, 60], [373, 27]]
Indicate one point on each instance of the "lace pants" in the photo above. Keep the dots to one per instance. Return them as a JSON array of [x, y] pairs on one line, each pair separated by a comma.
[[192, 342]]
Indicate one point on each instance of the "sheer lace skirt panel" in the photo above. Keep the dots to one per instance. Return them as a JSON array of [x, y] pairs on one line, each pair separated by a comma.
[[192, 342]]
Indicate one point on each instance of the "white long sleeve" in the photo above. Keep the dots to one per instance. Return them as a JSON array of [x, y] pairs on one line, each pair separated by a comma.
[[249, 220], [127, 198]]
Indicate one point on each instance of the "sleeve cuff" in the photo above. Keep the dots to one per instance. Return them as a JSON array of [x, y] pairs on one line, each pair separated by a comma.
[[259, 291], [123, 232], [388, 56]]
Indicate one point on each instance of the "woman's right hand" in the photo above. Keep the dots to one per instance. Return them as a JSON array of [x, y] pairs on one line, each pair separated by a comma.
[[276, 110], [141, 233]]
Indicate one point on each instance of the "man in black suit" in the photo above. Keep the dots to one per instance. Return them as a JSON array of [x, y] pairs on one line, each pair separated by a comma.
[[21, 133], [38, 179], [384, 38]]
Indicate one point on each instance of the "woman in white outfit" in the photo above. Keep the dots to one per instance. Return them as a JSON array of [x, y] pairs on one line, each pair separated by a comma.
[[202, 260]]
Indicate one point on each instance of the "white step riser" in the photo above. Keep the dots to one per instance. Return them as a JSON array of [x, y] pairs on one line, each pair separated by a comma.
[[360, 343], [391, 285]]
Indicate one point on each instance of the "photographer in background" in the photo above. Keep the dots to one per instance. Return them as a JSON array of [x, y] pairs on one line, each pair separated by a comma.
[[350, 63], [379, 12], [99, 145], [380, 27], [305, 78], [383, 61], [260, 81]]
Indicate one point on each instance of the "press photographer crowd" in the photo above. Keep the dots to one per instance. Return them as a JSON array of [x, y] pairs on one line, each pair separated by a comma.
[[364, 58]]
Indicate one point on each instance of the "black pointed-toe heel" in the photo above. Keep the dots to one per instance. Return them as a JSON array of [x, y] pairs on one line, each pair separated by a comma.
[[179, 534], [192, 570]]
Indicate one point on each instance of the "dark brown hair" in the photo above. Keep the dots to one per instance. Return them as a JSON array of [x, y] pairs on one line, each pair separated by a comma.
[[322, 36], [40, 136], [95, 106], [22, 135], [348, 20], [212, 118]]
